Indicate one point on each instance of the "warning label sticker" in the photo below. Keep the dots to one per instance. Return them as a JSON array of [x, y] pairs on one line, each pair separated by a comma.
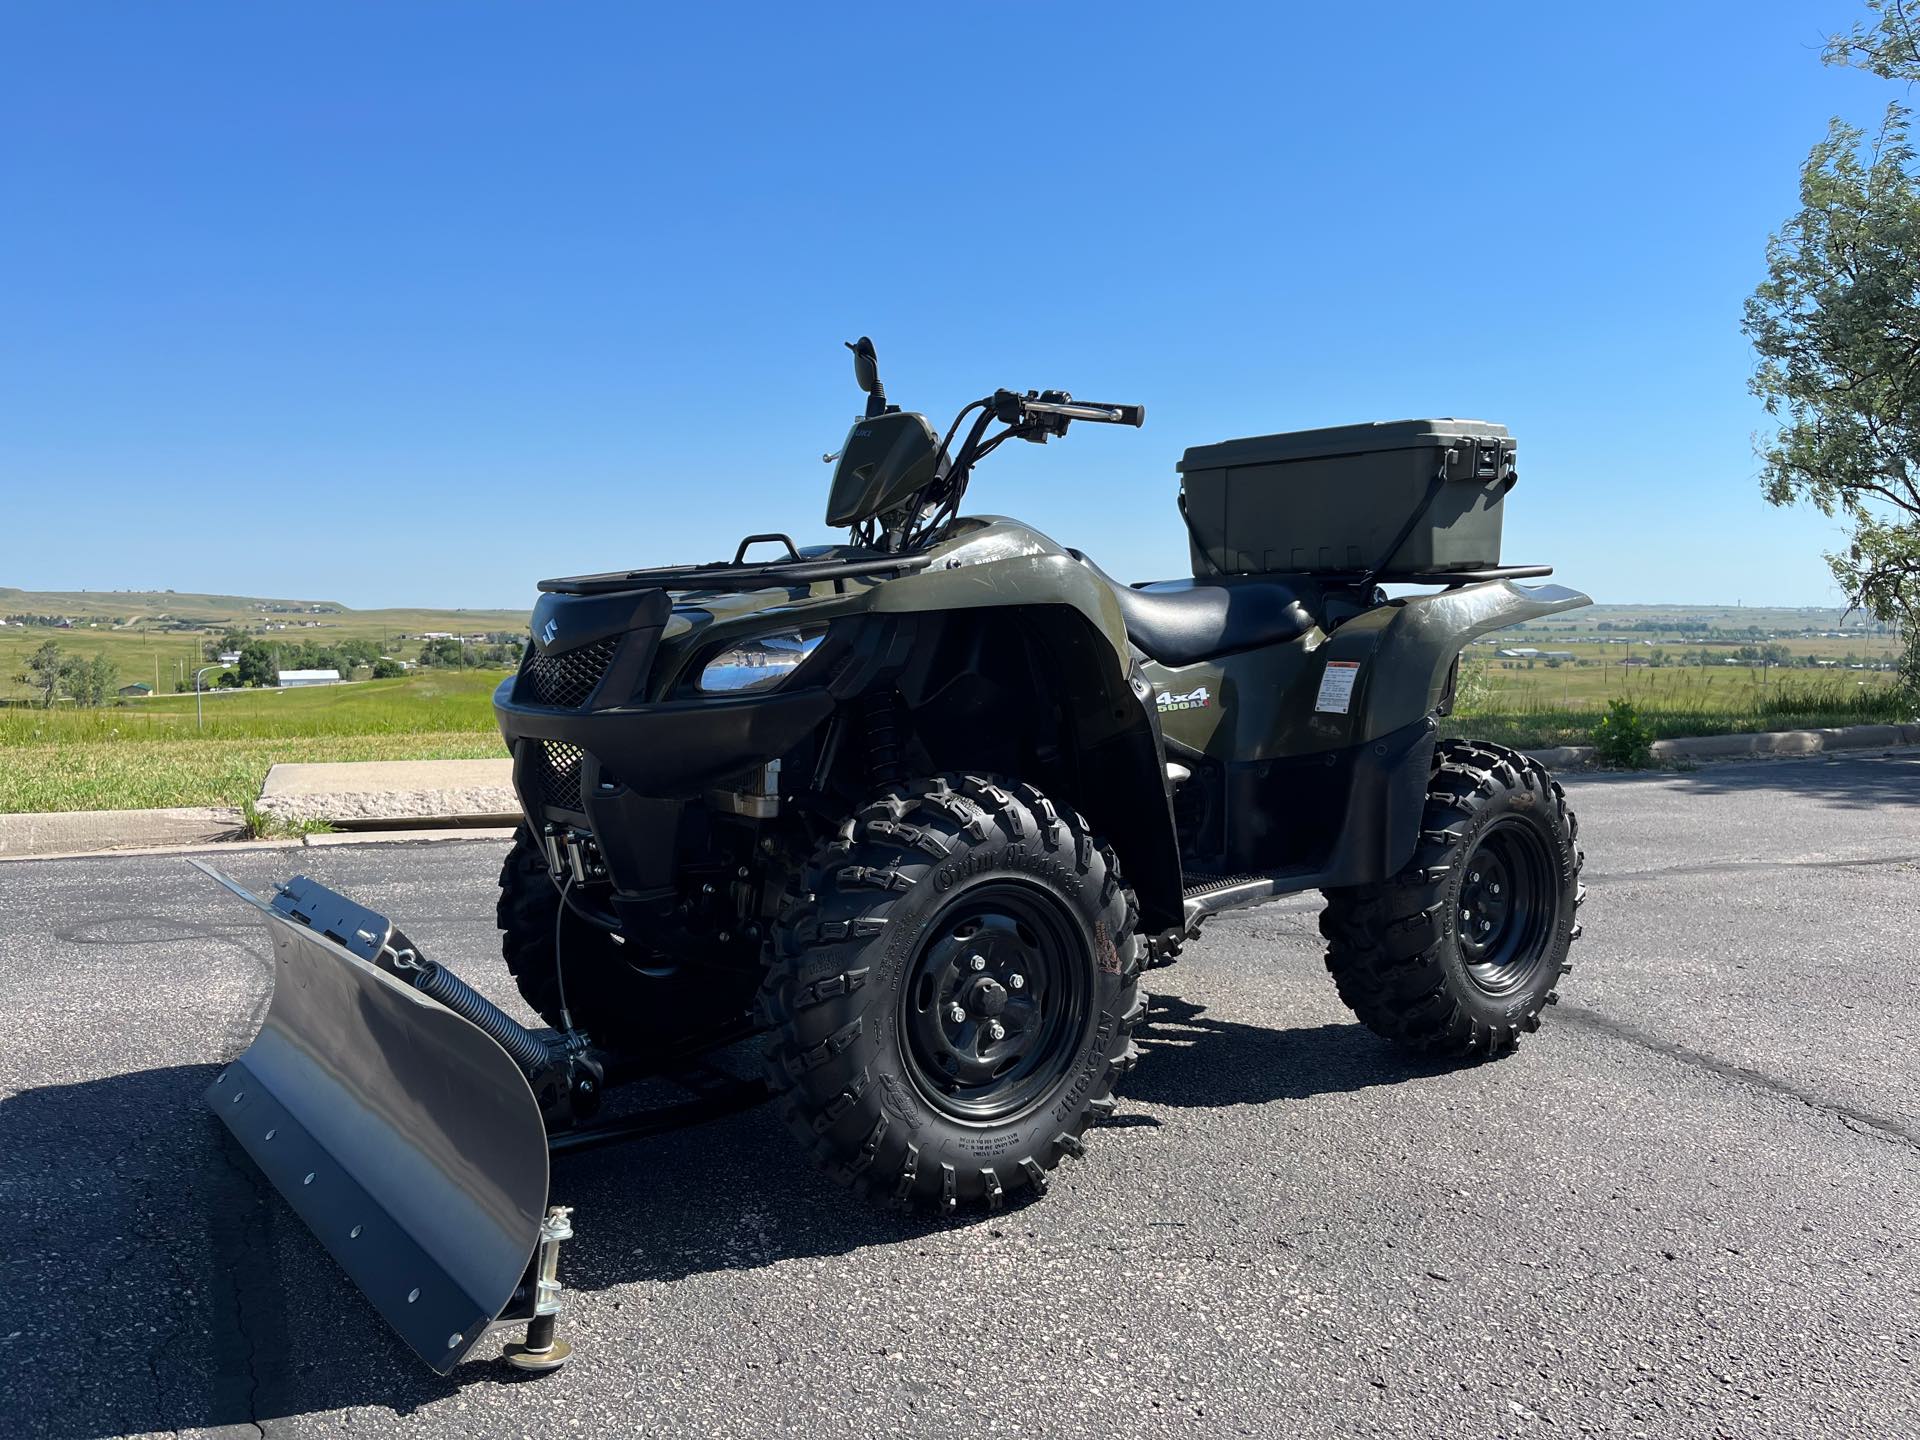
[[1336, 687]]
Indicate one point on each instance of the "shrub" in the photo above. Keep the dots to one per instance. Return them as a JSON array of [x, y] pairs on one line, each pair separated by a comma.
[[1621, 739]]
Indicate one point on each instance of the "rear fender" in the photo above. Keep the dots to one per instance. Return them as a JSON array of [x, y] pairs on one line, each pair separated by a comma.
[[1408, 648]]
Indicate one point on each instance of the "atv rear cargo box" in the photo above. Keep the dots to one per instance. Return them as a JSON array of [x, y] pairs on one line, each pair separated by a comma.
[[1392, 499]]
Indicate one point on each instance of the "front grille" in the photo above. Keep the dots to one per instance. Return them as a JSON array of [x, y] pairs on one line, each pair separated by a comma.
[[554, 769], [567, 680]]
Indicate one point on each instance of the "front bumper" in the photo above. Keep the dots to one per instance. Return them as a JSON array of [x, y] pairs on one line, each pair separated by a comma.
[[566, 760], [598, 756], [627, 774]]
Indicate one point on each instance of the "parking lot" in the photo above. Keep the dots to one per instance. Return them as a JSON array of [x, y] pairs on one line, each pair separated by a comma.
[[1686, 1207]]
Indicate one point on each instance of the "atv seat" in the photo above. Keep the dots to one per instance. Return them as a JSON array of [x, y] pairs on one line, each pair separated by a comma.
[[1179, 622]]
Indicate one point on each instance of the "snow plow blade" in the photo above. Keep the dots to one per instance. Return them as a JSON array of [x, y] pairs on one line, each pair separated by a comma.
[[401, 1132]]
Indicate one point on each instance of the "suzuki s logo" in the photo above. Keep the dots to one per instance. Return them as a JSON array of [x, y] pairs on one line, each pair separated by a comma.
[[548, 631], [1196, 699]]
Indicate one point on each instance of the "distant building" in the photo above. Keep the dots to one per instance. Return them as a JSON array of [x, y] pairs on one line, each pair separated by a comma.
[[134, 692], [291, 678], [228, 657], [1520, 652]]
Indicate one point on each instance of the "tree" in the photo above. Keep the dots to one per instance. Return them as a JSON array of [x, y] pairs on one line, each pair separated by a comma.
[[385, 669], [43, 672], [233, 640], [355, 653], [1836, 329], [89, 682], [257, 665], [446, 652]]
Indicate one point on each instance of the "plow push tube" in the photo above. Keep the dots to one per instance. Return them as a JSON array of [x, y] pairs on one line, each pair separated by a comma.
[[404, 1136]]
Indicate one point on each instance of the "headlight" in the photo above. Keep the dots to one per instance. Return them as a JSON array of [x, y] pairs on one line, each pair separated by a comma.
[[760, 663]]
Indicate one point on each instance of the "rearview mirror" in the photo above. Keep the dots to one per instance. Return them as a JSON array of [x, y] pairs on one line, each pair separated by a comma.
[[866, 365]]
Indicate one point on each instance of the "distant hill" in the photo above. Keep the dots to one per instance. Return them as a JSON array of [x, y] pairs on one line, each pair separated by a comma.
[[148, 607], [1784, 619], [158, 637]]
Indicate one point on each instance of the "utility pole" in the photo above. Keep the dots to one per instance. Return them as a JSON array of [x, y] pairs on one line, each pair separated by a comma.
[[199, 711]]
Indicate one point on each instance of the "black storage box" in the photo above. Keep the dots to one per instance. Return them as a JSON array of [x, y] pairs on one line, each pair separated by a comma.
[[1396, 499]]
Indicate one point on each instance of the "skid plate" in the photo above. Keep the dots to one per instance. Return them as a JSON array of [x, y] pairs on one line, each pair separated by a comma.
[[404, 1136]]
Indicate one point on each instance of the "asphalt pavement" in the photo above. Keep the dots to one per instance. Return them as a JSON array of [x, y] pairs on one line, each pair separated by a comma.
[[1686, 1207]]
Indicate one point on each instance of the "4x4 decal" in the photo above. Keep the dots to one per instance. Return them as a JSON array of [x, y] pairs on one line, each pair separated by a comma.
[[1195, 699]]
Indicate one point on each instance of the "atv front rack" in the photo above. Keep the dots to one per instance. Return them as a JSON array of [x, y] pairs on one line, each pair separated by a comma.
[[408, 1121], [737, 574]]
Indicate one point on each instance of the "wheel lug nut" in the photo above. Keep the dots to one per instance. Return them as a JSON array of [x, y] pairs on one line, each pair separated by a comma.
[[956, 1013], [978, 962], [1475, 876], [1466, 916], [1016, 982], [996, 1031], [1494, 888]]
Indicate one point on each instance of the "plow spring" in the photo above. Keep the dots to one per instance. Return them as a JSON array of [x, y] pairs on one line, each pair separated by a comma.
[[406, 1120]]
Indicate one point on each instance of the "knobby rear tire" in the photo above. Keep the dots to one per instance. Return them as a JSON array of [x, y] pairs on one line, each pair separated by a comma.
[[1397, 951]]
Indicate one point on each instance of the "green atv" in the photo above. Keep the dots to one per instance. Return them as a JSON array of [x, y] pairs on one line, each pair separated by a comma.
[[933, 799], [923, 807]]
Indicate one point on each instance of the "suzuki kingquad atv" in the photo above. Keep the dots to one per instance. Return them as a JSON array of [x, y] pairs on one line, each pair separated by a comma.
[[923, 807]]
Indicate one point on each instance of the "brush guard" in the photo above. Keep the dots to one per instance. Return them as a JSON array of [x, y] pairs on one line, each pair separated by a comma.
[[408, 1121]]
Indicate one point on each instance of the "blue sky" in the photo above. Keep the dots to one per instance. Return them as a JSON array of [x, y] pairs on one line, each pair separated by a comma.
[[416, 304]]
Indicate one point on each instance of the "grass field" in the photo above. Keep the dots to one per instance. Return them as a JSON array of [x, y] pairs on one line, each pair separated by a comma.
[[1543, 707], [135, 630], [149, 753]]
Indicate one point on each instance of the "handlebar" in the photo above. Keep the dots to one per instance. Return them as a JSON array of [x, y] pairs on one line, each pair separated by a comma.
[[1096, 411]]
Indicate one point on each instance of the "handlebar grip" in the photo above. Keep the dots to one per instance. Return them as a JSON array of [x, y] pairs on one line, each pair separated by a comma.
[[1134, 415], [1095, 412]]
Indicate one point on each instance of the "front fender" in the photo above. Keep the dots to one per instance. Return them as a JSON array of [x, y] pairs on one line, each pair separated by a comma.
[[1011, 581]]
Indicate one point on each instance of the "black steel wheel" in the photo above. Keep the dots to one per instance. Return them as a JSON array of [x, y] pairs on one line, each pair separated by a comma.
[[953, 993], [996, 1001], [1507, 903], [1459, 953]]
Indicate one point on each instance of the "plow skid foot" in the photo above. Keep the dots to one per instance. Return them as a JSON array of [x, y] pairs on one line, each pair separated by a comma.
[[404, 1136]]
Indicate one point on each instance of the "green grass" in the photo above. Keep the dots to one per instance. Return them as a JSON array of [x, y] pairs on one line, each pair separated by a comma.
[[149, 753], [1673, 702]]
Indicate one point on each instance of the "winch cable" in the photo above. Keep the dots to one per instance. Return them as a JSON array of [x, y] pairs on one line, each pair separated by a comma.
[[559, 958], [600, 922]]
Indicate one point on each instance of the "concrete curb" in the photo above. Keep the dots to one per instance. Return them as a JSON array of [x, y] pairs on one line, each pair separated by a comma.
[[410, 837], [412, 793], [90, 832], [1764, 745], [1563, 757], [494, 835]]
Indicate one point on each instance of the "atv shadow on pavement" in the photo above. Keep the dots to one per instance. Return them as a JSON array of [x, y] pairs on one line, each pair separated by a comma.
[[1867, 780], [1191, 1060], [174, 1290], [158, 1283]]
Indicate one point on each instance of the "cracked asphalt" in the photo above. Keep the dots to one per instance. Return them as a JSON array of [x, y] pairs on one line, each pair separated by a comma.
[[1686, 1207]]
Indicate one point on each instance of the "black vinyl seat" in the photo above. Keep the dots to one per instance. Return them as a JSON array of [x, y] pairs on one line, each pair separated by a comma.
[[1179, 622]]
